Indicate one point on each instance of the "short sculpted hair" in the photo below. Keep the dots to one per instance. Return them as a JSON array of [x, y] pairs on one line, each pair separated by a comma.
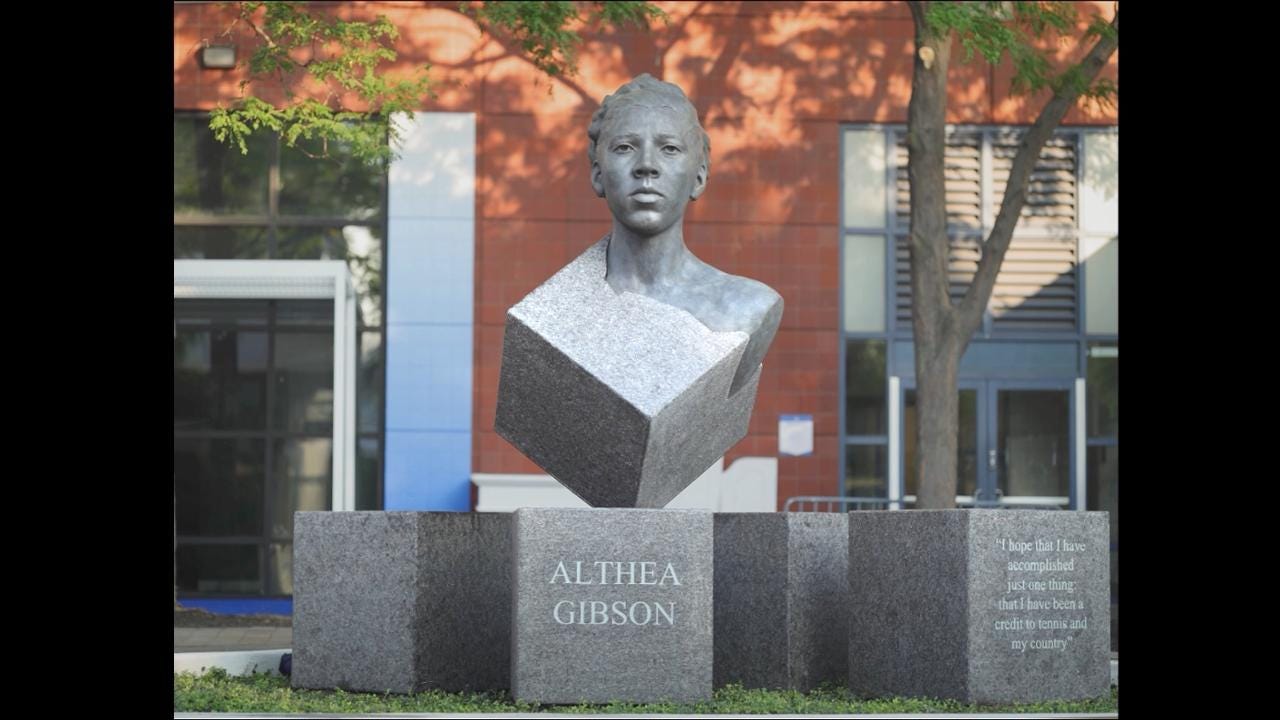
[[646, 87]]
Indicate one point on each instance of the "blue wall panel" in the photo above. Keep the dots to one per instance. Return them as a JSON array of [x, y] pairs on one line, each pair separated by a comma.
[[431, 273], [428, 470], [430, 314], [429, 377]]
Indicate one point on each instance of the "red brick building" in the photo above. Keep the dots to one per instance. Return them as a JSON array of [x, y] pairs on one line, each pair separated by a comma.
[[777, 85]]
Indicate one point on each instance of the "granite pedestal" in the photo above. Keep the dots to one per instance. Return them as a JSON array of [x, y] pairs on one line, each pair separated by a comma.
[[781, 599], [612, 605], [401, 601], [983, 606]]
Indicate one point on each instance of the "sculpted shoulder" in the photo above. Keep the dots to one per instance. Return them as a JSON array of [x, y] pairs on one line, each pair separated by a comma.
[[726, 302], [756, 301]]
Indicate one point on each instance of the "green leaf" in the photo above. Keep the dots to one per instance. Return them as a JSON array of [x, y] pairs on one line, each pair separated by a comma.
[[1017, 30], [348, 56]]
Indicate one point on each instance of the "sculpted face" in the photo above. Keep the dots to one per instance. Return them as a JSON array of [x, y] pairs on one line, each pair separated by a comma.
[[649, 165]]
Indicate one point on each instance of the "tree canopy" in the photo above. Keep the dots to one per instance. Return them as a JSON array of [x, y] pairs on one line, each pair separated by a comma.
[[335, 92], [346, 97]]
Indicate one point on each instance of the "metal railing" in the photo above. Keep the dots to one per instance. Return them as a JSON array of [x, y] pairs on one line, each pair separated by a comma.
[[838, 503], [845, 503]]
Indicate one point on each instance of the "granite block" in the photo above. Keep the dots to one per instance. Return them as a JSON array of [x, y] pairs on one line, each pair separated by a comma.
[[818, 595], [612, 605], [621, 398], [781, 597], [401, 601], [751, 600], [981, 606]]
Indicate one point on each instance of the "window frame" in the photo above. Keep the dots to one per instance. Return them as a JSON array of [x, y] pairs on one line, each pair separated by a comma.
[[890, 230], [292, 280]]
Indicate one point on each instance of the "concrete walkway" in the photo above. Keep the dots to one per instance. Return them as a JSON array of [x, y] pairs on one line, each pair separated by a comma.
[[229, 639]]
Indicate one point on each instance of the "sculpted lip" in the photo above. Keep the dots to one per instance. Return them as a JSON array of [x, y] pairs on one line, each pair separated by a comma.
[[647, 195]]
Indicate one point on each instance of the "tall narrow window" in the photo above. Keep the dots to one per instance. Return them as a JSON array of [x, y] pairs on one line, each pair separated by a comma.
[[865, 239]]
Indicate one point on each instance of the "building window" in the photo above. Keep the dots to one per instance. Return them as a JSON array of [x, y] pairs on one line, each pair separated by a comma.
[[252, 437], [253, 379], [864, 411], [1036, 289], [1058, 288], [1038, 292], [866, 442], [278, 203]]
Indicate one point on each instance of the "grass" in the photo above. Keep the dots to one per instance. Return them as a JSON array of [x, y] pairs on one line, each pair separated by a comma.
[[216, 691]]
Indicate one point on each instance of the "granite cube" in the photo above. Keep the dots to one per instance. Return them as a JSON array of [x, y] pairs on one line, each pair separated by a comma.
[[612, 605], [781, 599], [981, 606], [621, 398], [401, 601]]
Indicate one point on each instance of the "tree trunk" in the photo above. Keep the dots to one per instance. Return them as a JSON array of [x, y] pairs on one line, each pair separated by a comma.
[[937, 425], [942, 330], [934, 321]]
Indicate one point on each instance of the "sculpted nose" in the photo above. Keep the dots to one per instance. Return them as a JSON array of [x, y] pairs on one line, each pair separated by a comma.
[[645, 166]]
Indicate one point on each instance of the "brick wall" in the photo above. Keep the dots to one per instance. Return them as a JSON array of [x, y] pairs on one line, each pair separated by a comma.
[[772, 83]]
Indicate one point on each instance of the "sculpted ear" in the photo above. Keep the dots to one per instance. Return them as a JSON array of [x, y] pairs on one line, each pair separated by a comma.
[[596, 183], [699, 182]]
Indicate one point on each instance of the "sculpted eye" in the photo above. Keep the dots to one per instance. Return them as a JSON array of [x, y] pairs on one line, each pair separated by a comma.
[[670, 149], [622, 148]]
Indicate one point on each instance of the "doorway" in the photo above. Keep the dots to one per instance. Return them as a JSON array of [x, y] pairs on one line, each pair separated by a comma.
[[1014, 447], [252, 438], [264, 417]]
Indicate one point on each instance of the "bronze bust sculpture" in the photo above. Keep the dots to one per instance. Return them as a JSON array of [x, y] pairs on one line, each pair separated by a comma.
[[635, 367], [650, 158]]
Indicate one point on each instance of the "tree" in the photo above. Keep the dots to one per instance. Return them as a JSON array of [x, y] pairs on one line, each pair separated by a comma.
[[942, 330], [328, 69], [543, 32]]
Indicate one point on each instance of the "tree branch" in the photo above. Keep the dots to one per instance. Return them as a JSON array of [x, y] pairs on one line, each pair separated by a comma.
[[1015, 194], [259, 32]]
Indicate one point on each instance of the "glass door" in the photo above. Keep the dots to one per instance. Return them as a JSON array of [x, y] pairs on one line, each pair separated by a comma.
[[1029, 457], [1013, 449], [253, 416], [971, 474]]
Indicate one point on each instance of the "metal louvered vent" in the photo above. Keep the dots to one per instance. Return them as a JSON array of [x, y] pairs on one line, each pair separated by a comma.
[[1051, 190], [963, 174], [1037, 288], [962, 263]]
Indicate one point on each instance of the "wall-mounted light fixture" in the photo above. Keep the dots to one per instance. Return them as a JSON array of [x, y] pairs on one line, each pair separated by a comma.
[[218, 56]]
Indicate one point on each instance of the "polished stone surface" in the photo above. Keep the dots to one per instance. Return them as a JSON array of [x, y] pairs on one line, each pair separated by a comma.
[[985, 606], [781, 599], [612, 605], [401, 601], [622, 399]]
